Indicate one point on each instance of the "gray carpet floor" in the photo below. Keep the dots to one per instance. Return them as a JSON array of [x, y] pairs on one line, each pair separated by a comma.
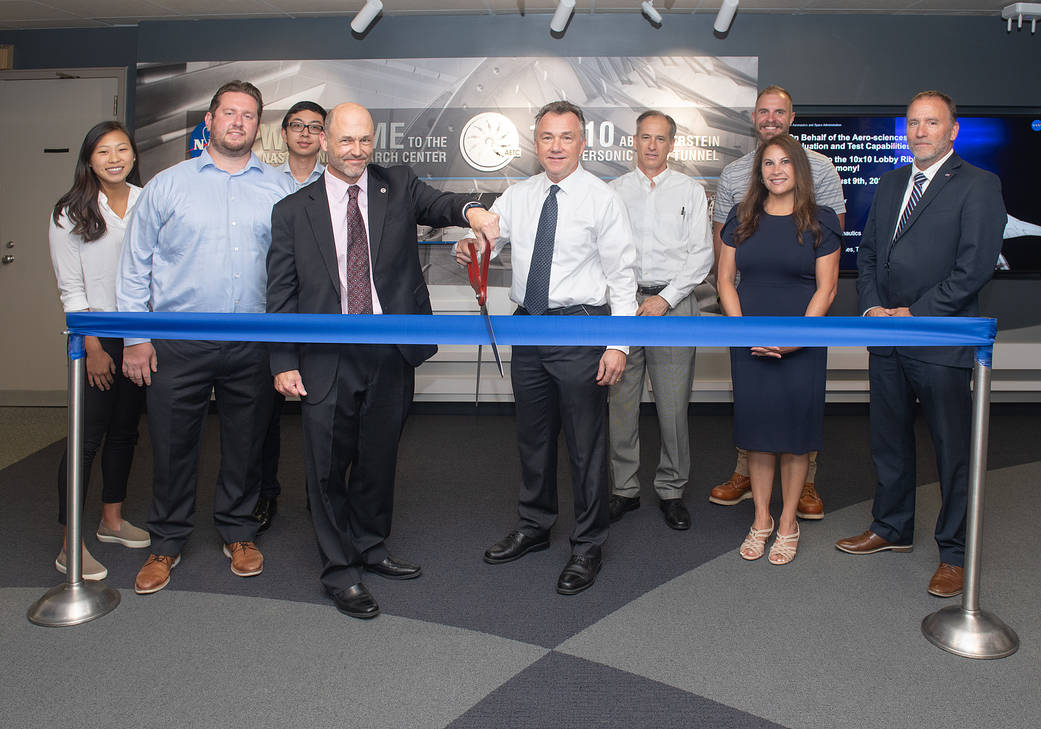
[[677, 632]]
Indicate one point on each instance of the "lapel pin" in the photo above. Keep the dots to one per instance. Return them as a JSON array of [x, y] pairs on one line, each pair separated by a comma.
[[383, 190]]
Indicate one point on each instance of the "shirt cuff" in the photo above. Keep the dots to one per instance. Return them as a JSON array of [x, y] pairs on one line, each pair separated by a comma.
[[132, 342]]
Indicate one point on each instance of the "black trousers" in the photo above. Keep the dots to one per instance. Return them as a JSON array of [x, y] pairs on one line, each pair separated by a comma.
[[555, 388], [272, 450], [111, 416], [355, 427], [238, 374], [946, 403]]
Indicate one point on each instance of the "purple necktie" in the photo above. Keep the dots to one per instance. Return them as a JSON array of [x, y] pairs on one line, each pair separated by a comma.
[[359, 291]]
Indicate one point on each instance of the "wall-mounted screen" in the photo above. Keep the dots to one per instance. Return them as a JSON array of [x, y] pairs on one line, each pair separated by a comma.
[[866, 146]]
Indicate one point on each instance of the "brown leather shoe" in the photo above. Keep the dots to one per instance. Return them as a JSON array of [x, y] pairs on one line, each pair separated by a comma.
[[947, 580], [869, 543], [734, 490], [810, 504], [155, 574], [246, 559]]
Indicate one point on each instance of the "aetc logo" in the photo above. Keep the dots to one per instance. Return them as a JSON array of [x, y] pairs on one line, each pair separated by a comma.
[[1036, 125], [198, 140], [489, 142]]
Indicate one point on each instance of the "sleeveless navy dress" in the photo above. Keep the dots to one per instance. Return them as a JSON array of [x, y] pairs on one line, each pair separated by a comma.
[[779, 403]]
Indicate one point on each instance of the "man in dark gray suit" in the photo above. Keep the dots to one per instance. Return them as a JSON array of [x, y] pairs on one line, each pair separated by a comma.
[[930, 244], [346, 244]]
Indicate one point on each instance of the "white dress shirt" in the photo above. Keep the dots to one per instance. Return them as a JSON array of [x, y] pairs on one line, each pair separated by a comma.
[[929, 172], [593, 254], [670, 229], [86, 272], [337, 192]]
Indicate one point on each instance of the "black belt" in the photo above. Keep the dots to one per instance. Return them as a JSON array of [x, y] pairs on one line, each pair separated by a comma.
[[576, 309], [651, 290]]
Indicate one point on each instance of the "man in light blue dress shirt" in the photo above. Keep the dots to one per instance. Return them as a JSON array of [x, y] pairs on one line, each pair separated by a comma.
[[198, 242]]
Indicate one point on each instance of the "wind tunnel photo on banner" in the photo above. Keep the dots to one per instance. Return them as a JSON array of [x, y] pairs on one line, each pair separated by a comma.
[[466, 124]]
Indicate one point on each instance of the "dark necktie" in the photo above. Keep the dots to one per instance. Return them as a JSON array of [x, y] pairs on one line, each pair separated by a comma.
[[536, 291], [359, 292], [916, 195]]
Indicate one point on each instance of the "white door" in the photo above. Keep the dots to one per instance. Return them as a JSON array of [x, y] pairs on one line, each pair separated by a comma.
[[42, 123]]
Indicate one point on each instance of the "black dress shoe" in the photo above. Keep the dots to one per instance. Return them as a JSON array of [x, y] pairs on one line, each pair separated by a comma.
[[513, 546], [579, 573], [618, 505], [676, 514], [265, 511], [356, 601], [395, 569]]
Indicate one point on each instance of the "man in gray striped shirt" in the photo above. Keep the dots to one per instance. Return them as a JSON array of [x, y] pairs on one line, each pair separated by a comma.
[[773, 116]]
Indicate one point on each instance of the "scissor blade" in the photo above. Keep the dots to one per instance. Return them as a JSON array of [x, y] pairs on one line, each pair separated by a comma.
[[491, 337], [477, 389]]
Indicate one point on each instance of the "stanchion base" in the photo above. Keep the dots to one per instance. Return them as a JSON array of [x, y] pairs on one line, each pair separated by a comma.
[[967, 634], [73, 604]]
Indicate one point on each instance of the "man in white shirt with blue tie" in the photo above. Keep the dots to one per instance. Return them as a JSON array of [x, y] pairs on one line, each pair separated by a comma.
[[669, 215], [572, 255]]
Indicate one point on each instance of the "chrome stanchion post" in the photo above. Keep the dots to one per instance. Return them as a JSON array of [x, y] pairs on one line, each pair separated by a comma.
[[966, 630], [74, 601]]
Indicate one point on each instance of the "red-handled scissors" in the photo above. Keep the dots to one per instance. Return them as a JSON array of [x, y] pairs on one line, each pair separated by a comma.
[[477, 269]]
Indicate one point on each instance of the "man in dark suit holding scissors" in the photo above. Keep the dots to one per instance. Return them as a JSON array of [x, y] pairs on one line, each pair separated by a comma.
[[930, 244], [346, 244]]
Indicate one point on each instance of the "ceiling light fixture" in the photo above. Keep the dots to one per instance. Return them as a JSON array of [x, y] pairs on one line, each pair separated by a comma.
[[1030, 11], [649, 10], [725, 16], [366, 15], [561, 15]]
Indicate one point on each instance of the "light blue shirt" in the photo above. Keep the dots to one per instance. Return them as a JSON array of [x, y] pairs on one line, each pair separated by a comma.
[[319, 168], [198, 239]]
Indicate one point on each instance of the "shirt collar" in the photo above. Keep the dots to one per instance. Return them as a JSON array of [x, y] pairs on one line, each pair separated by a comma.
[[135, 191], [931, 170], [204, 160], [337, 189], [318, 169], [568, 184], [658, 179]]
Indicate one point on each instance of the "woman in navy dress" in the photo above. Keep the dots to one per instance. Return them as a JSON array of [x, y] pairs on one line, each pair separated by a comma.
[[787, 250]]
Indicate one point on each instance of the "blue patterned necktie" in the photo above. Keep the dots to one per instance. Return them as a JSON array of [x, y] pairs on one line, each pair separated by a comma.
[[536, 291], [916, 195]]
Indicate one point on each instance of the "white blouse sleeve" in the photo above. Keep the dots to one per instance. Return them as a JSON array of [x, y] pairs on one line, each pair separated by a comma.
[[68, 270]]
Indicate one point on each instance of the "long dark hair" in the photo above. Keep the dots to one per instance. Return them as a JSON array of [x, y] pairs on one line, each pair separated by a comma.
[[751, 208], [80, 203]]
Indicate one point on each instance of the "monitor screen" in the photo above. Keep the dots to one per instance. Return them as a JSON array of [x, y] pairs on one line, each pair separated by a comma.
[[863, 147]]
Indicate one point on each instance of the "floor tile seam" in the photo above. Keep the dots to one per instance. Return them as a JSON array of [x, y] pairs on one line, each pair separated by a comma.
[[664, 684], [129, 594]]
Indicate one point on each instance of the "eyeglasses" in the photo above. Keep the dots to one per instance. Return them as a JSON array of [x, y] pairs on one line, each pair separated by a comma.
[[298, 126]]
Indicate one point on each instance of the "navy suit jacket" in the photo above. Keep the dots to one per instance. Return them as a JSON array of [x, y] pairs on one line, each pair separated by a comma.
[[942, 258], [303, 275]]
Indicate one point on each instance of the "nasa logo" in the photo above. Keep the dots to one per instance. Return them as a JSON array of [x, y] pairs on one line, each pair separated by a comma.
[[1036, 125], [198, 139]]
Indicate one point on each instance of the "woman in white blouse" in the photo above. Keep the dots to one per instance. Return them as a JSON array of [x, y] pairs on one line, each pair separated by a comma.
[[86, 236]]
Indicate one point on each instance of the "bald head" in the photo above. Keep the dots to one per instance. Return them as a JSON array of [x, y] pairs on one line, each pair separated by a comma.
[[348, 141]]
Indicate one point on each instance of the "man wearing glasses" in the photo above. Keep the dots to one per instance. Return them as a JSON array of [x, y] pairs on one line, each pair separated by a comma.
[[301, 126]]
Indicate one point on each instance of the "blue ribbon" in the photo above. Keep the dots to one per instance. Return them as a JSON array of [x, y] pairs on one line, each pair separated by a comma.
[[701, 331]]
